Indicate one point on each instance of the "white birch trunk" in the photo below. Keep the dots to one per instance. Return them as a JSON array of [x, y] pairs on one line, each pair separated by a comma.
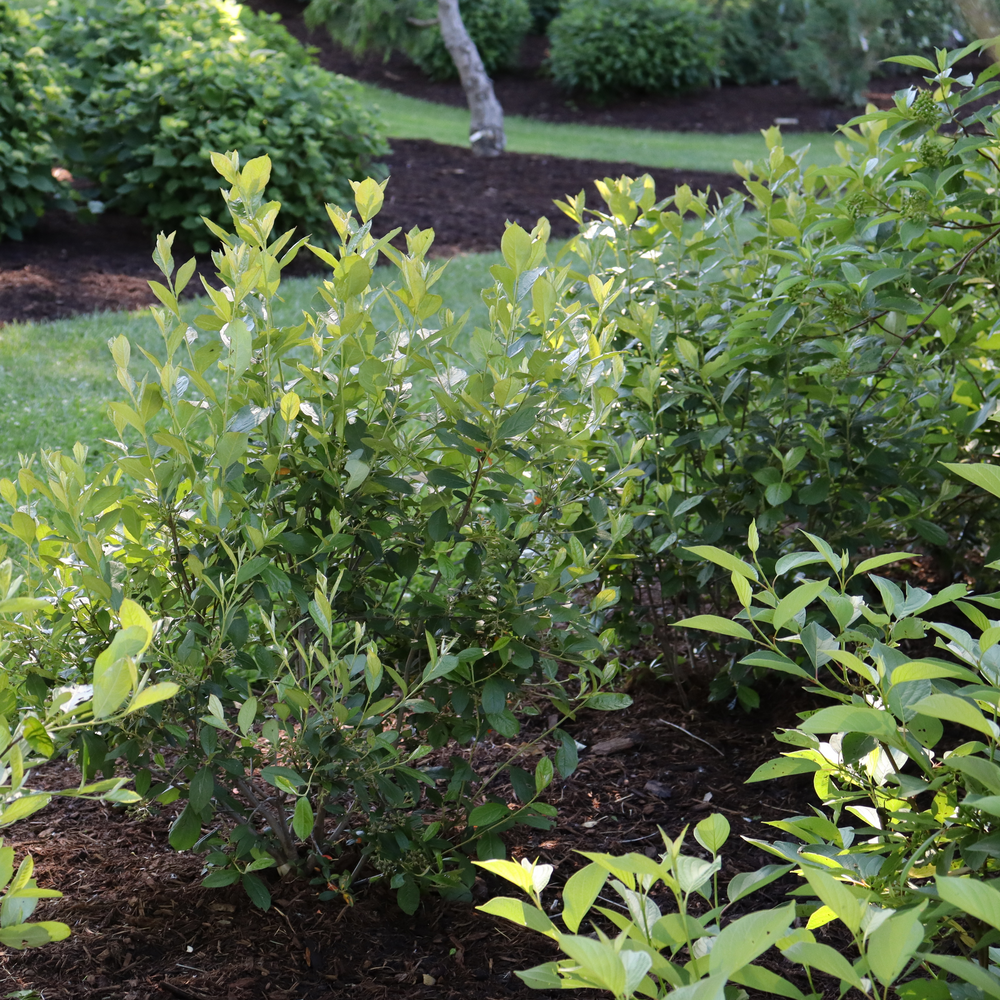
[[486, 132]]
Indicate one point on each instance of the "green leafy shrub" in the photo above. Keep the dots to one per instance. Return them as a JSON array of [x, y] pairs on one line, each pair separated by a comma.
[[755, 37], [542, 14], [497, 27], [364, 544], [809, 364], [29, 101], [840, 43], [37, 724], [158, 86], [902, 852], [603, 48]]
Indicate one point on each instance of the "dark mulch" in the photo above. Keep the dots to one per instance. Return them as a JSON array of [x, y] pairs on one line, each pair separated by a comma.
[[526, 91], [67, 266], [144, 928]]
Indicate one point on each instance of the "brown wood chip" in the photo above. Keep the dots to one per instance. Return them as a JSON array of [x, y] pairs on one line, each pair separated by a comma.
[[617, 744]]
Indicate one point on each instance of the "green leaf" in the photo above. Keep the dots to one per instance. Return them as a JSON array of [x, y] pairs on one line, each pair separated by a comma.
[[893, 943], [712, 832], [724, 559], [521, 913], [852, 719], [799, 599], [978, 899], [985, 476], [876, 561], [185, 830], [23, 807], [954, 709], [848, 907], [972, 972], [777, 493], [745, 883], [33, 935], [303, 819], [781, 767], [257, 891], [114, 672], [713, 623], [247, 715], [201, 789], [579, 893], [152, 695], [488, 814], [823, 957], [748, 938], [447, 480], [219, 879], [408, 896]]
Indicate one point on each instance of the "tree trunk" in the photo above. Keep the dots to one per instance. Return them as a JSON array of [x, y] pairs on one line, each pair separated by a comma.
[[486, 132], [984, 19]]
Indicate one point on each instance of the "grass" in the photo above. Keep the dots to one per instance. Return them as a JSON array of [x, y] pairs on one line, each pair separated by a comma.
[[411, 118], [57, 378]]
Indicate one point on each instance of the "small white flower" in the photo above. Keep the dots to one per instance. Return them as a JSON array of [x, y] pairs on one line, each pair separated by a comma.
[[540, 874]]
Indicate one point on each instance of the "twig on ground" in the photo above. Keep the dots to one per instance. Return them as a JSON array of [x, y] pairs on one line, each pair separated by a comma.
[[663, 722]]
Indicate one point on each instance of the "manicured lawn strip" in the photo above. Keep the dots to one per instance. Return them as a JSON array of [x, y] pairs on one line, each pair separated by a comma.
[[57, 378], [411, 118]]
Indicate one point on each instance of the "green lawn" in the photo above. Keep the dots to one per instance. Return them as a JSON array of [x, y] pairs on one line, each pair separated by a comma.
[[57, 378], [410, 118]]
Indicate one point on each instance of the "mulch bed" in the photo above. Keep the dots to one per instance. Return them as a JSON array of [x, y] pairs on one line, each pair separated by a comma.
[[144, 928], [527, 91], [66, 266]]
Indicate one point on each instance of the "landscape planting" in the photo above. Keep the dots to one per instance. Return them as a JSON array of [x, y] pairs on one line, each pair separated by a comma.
[[377, 590]]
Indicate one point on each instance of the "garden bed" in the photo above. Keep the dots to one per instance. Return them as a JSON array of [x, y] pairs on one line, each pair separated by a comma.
[[143, 927], [66, 266]]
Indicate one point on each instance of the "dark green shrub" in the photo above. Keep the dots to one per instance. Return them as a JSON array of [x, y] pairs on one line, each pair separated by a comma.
[[542, 14], [360, 541], [29, 100], [840, 43], [497, 27], [159, 85], [607, 47], [755, 36], [810, 365]]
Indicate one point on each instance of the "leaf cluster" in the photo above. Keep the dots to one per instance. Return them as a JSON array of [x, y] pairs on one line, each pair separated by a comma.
[[603, 48], [155, 87]]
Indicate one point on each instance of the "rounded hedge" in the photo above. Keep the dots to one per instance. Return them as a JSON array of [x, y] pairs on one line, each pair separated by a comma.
[[28, 98], [159, 85], [497, 27], [608, 47]]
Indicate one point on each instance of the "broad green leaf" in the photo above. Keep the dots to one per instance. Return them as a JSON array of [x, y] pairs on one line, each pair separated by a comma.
[[745, 883], [748, 938], [883, 560], [33, 935], [838, 897], [985, 476], [247, 715], [852, 719], [767, 982], [185, 830], [972, 972], [258, 892], [712, 832], [713, 623], [303, 819], [800, 598], [782, 767], [954, 709], [893, 942], [581, 889], [152, 695], [826, 959], [978, 899], [521, 913], [724, 559], [23, 807], [132, 615]]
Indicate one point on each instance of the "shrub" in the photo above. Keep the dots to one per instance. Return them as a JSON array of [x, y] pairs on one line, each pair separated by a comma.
[[840, 43], [809, 364], [603, 47], [29, 100], [358, 542], [497, 27], [542, 13], [755, 37], [901, 852], [158, 86]]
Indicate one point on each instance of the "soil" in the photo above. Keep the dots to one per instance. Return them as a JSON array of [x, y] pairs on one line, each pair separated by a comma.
[[68, 266], [526, 90], [143, 927]]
